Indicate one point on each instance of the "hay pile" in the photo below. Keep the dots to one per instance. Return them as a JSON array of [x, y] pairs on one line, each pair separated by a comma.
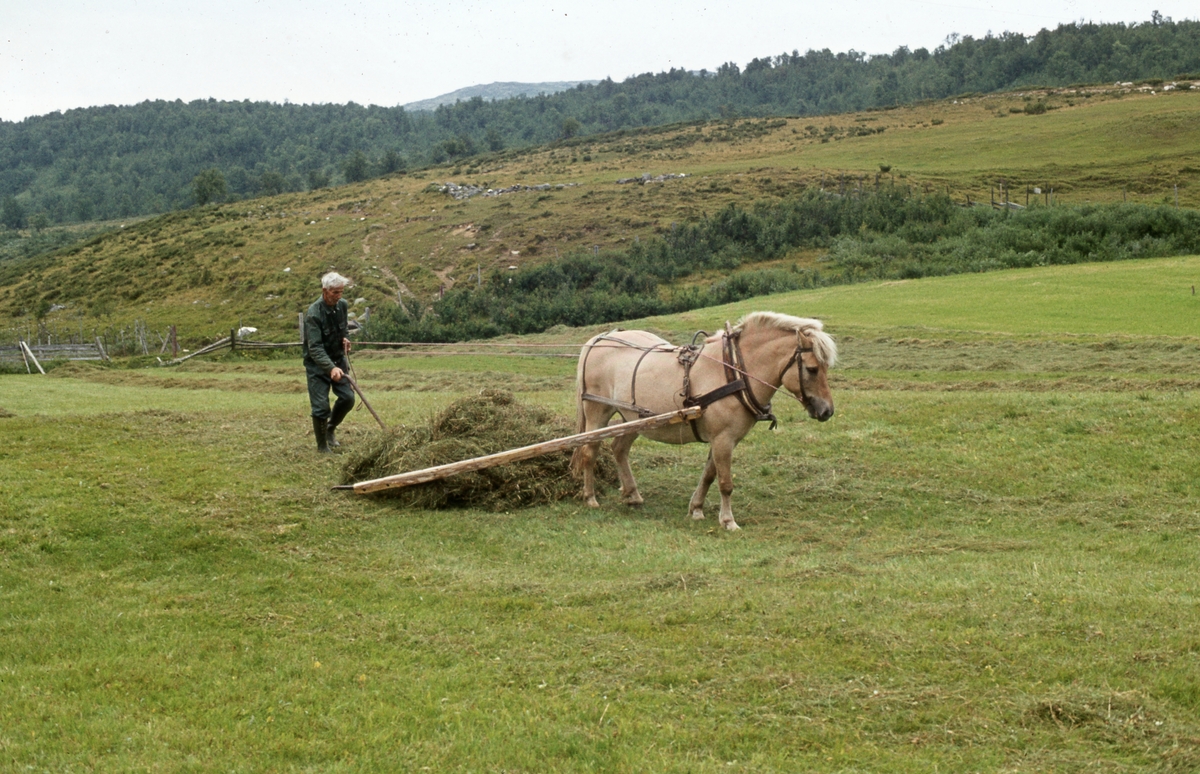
[[490, 422]]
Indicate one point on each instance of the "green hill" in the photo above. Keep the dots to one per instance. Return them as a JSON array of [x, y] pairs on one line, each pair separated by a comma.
[[405, 238], [125, 161]]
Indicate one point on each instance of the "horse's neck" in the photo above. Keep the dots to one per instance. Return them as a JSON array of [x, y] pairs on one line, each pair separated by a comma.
[[764, 353]]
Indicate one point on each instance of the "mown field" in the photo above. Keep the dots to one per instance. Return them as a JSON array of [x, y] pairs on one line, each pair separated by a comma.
[[984, 562]]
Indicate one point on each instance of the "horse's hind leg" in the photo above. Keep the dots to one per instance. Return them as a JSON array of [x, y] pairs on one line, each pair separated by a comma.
[[696, 505], [620, 447], [595, 415], [586, 456]]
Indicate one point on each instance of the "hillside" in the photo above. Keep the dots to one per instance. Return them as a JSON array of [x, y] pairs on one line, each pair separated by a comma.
[[124, 161], [406, 237], [496, 90]]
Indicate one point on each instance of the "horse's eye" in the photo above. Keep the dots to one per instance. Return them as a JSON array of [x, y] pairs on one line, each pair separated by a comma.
[[812, 371]]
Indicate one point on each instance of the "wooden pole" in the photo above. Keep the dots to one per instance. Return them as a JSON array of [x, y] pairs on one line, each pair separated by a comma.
[[100, 347], [354, 384], [21, 346], [523, 453], [29, 352], [203, 351]]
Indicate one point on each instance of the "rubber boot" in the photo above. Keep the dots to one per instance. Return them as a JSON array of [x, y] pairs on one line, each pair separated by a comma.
[[322, 438], [340, 410]]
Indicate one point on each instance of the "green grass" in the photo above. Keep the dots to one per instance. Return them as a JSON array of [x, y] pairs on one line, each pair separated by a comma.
[[985, 562], [1132, 298]]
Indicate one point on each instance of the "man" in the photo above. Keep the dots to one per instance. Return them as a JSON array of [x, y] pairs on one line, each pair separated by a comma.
[[326, 342]]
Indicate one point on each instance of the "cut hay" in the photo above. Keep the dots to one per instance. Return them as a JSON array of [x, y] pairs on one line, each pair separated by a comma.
[[490, 422]]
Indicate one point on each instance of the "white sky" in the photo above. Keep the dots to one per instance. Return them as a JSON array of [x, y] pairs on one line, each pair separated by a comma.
[[62, 54]]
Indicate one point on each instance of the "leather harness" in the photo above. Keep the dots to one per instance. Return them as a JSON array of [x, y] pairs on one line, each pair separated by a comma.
[[731, 360]]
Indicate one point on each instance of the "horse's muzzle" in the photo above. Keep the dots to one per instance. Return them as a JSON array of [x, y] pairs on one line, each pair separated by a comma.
[[820, 410]]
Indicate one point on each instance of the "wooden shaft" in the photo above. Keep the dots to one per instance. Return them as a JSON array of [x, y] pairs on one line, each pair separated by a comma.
[[29, 352], [366, 403], [523, 453]]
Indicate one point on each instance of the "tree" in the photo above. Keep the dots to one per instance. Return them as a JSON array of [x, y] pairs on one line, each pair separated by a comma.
[[317, 178], [356, 168], [570, 127], [392, 162], [208, 186], [12, 214], [270, 183]]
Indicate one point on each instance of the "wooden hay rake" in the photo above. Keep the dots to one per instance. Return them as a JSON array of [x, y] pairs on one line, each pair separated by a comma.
[[525, 452]]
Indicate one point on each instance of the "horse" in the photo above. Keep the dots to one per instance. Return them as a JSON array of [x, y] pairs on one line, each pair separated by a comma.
[[732, 375]]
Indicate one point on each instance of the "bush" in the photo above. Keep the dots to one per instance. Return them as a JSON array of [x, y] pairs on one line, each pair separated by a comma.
[[888, 235]]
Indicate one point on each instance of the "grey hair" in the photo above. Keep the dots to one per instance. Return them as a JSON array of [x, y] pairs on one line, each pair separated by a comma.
[[333, 280]]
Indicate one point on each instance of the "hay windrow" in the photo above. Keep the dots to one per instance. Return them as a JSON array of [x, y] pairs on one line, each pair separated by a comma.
[[490, 422]]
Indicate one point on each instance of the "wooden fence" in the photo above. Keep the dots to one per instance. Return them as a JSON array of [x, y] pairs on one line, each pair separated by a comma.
[[31, 355]]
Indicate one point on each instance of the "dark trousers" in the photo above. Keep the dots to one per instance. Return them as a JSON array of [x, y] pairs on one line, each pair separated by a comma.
[[319, 385]]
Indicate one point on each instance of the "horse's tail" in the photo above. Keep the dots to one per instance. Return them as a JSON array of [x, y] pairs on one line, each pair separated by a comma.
[[580, 418]]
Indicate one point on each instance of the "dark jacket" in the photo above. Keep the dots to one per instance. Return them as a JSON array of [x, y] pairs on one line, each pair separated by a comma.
[[324, 329]]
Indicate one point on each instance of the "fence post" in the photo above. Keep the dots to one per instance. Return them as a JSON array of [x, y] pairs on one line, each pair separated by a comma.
[[29, 352], [174, 343], [232, 340], [100, 346]]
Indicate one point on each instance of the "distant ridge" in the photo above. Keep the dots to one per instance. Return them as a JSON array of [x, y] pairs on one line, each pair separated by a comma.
[[498, 90]]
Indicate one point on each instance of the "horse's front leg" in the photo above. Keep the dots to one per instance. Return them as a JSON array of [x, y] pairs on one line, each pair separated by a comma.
[[629, 490], [696, 506], [722, 458]]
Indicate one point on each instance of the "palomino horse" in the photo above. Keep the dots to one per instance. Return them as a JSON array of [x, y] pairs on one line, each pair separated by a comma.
[[732, 375]]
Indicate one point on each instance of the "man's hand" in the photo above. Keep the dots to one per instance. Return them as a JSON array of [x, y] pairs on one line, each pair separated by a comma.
[[345, 345], [336, 374]]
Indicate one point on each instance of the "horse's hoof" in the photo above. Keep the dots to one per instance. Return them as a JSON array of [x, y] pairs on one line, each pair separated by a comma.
[[634, 503], [592, 503], [731, 525], [697, 513]]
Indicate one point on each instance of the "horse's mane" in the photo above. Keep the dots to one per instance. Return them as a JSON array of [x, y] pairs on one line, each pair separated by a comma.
[[823, 345]]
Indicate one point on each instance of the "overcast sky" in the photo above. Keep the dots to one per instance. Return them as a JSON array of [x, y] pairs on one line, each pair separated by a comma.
[[62, 54]]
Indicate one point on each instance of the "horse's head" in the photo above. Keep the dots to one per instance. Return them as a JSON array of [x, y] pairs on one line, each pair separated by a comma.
[[815, 354]]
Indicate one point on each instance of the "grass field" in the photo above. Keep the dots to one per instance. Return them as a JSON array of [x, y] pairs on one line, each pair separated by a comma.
[[984, 562]]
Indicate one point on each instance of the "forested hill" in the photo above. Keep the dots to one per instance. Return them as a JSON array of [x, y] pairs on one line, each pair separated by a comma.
[[493, 91], [114, 162]]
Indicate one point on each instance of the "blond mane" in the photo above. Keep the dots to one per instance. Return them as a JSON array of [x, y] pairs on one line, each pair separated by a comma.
[[823, 345]]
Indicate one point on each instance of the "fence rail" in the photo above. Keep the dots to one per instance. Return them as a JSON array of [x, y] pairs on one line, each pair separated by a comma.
[[14, 354]]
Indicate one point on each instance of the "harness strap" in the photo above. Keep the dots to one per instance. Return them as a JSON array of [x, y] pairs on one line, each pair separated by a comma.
[[619, 404], [712, 396], [734, 364]]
